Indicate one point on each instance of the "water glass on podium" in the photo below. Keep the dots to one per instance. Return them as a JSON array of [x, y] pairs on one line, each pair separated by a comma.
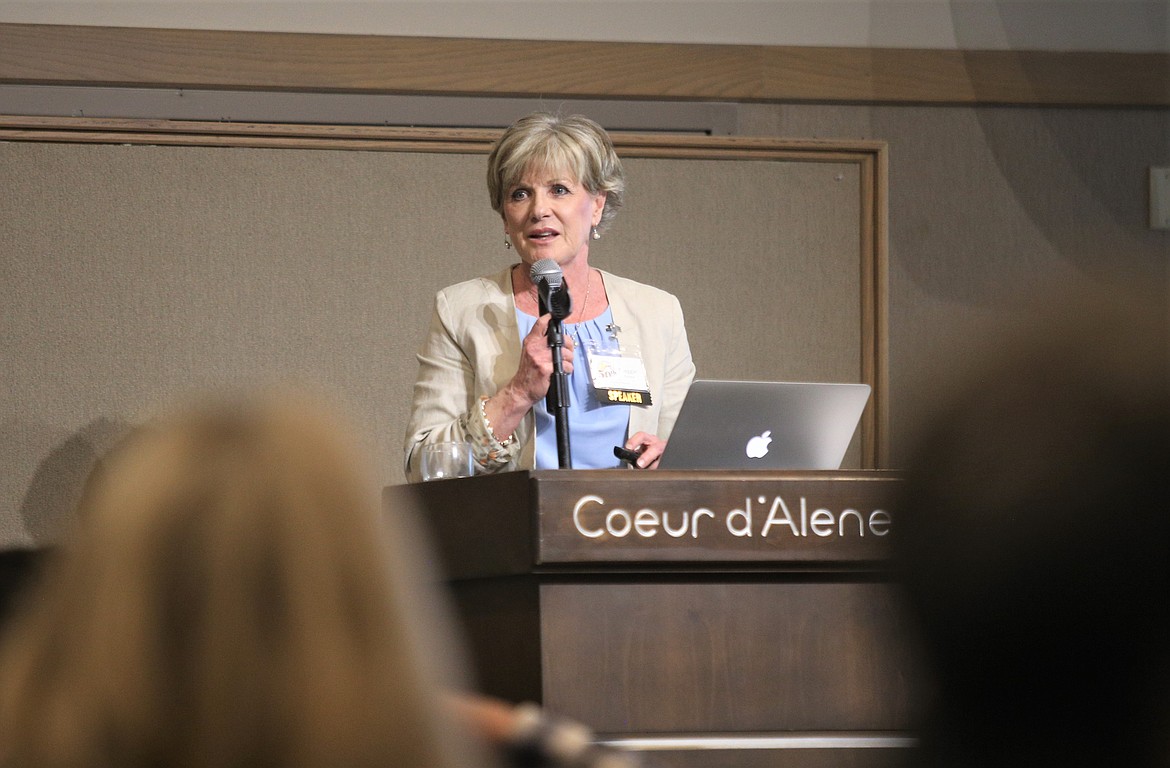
[[440, 461]]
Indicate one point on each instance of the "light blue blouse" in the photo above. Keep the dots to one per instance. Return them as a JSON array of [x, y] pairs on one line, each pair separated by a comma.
[[594, 429]]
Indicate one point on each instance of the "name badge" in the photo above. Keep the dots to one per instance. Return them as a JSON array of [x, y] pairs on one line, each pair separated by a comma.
[[617, 373]]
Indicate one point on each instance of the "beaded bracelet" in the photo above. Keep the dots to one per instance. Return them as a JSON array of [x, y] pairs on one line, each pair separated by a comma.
[[483, 412]]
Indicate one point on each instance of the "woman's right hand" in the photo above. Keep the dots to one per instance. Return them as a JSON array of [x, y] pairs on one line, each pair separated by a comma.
[[531, 381], [536, 362]]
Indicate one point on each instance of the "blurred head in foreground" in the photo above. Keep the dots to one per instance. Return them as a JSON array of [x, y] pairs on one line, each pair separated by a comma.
[[1034, 538], [228, 597]]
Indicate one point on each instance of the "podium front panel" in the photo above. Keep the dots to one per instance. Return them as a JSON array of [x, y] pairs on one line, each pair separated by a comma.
[[724, 656], [700, 605]]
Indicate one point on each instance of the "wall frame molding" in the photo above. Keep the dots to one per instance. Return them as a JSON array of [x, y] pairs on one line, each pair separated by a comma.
[[33, 54]]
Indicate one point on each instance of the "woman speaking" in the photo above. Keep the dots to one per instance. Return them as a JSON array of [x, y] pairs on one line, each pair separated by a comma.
[[486, 365]]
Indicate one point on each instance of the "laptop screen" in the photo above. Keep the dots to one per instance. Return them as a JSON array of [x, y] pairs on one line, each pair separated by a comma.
[[765, 425]]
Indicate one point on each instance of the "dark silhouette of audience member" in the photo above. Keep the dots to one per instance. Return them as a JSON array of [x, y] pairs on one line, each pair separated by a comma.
[[229, 596], [1034, 542], [17, 567]]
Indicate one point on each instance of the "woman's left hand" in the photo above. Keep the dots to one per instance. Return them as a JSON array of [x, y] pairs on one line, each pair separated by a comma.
[[651, 447]]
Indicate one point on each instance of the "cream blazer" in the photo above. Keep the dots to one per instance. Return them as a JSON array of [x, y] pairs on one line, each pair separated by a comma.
[[473, 349]]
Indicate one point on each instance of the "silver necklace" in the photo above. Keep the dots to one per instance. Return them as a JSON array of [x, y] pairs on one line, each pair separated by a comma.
[[585, 304]]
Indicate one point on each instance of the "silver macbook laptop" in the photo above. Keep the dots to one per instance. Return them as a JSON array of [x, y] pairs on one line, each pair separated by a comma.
[[765, 425]]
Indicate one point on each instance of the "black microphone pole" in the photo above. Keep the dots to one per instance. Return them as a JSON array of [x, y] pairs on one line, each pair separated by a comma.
[[558, 393], [553, 293]]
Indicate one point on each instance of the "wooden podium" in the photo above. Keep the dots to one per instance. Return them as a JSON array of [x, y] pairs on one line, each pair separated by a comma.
[[709, 618]]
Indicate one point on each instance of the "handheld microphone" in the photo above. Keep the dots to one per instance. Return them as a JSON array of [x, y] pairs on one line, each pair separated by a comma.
[[552, 288]]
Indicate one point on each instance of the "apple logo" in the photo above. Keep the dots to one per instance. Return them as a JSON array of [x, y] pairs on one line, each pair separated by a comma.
[[757, 447]]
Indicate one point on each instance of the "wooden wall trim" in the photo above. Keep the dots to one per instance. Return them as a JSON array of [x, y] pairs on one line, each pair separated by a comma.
[[179, 58]]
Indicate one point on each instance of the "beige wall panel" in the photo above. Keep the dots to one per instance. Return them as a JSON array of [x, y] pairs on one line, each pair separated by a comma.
[[769, 243], [135, 275]]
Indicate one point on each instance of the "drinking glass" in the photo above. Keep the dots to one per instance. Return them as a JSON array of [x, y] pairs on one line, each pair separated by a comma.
[[440, 461]]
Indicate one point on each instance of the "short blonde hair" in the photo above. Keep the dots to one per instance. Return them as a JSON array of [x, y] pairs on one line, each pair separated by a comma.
[[550, 141], [231, 596]]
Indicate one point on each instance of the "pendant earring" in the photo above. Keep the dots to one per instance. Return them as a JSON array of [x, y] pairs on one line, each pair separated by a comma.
[[596, 235], [507, 243]]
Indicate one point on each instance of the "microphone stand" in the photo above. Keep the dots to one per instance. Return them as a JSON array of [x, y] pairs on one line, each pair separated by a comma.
[[557, 400]]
